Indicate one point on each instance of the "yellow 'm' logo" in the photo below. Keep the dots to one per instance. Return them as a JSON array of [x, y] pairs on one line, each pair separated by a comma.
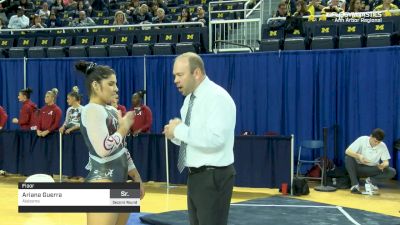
[[147, 38], [104, 40], [324, 30], [168, 37], [273, 33], [296, 32], [94, 30], [351, 29], [84, 41], [63, 41], [190, 36], [99, 14], [220, 15], [229, 7], [44, 42], [106, 22], [25, 42], [4, 42], [380, 27], [124, 39]]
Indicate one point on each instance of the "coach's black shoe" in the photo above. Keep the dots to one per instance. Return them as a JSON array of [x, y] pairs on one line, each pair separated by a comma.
[[355, 189]]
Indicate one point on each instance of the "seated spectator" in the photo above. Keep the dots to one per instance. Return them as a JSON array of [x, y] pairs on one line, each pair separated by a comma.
[[332, 7], [314, 6], [368, 157], [161, 18], [185, 15], [50, 115], [120, 18], [282, 10], [153, 8], [301, 9], [37, 22], [201, 16], [69, 4], [3, 9], [19, 21], [3, 118], [163, 5], [26, 118], [81, 7], [83, 20], [58, 6], [53, 21], [387, 5], [143, 115], [44, 12], [120, 108], [25, 4], [73, 115], [132, 8], [355, 6], [143, 15]]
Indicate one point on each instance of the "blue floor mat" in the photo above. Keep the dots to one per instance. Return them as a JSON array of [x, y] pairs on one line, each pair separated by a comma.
[[283, 211]]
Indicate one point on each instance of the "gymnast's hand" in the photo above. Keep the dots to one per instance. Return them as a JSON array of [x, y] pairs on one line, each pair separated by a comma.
[[125, 122]]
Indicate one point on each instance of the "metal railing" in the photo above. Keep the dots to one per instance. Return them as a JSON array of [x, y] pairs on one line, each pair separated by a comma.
[[232, 35]]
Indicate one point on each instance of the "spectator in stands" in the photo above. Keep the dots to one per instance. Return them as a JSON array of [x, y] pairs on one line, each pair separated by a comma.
[[143, 115], [58, 6], [83, 20], [120, 18], [332, 7], [25, 4], [144, 15], [132, 8], [314, 6], [80, 7], [50, 115], [161, 18], [26, 114], [120, 108], [44, 12], [153, 8], [387, 5], [54, 20], [3, 118], [19, 21], [282, 10], [37, 22], [2, 25], [163, 5], [301, 9], [355, 6], [368, 157], [73, 115], [201, 16], [185, 15], [3, 9]]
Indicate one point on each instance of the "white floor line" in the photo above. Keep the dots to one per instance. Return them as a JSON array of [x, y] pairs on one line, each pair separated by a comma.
[[347, 215], [293, 206]]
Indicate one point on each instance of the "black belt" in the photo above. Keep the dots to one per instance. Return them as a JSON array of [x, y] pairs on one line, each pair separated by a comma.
[[193, 170]]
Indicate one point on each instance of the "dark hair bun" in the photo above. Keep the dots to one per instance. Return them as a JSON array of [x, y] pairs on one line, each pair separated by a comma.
[[28, 90], [85, 67]]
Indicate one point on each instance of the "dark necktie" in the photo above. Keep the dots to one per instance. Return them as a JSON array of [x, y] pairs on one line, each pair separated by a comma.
[[182, 149]]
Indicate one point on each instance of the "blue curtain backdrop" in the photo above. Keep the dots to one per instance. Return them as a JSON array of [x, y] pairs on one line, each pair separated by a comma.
[[289, 92]]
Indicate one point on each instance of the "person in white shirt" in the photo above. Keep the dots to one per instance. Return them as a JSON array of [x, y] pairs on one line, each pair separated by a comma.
[[19, 21], [206, 140], [368, 157]]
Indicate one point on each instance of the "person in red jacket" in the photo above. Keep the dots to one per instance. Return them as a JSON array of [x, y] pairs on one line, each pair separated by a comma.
[[26, 114], [143, 115], [119, 107], [3, 118], [50, 115]]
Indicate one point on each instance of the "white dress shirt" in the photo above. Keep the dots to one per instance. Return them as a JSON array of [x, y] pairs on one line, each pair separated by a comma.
[[373, 154], [18, 22], [211, 133]]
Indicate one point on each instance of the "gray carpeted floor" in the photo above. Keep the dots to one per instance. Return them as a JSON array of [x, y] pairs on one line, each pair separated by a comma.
[[283, 211]]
